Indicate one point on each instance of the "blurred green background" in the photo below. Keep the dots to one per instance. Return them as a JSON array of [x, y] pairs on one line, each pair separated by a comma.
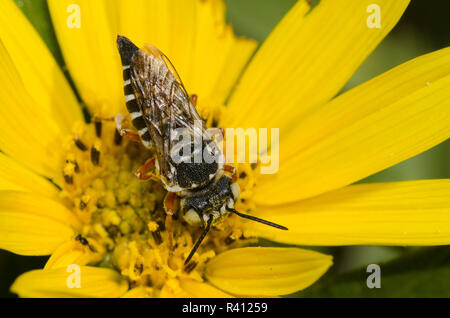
[[405, 272]]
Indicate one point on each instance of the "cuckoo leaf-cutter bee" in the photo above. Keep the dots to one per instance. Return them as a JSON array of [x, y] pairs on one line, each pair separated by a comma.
[[161, 111]]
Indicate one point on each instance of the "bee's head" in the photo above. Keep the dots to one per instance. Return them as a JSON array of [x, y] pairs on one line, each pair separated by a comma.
[[213, 201], [210, 204]]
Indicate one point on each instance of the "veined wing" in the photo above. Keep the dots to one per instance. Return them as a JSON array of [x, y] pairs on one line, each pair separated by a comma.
[[166, 106]]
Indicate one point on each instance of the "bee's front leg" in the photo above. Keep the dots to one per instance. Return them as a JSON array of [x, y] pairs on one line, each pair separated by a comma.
[[129, 133], [169, 208]]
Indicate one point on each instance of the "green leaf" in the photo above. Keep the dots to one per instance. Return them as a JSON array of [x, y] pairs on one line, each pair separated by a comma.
[[256, 18], [37, 13], [420, 273]]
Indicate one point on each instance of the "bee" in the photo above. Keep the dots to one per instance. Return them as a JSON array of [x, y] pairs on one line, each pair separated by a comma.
[[161, 111]]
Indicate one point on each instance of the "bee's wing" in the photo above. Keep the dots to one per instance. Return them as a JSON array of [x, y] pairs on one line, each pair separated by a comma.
[[181, 100], [164, 102]]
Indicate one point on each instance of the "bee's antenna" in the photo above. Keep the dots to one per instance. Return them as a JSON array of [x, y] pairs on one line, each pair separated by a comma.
[[253, 218], [199, 241]]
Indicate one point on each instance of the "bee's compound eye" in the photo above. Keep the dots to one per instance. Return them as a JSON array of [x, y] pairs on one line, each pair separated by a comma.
[[235, 190], [192, 218]]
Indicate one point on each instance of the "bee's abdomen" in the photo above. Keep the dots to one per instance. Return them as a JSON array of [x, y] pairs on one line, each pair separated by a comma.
[[127, 50], [135, 112]]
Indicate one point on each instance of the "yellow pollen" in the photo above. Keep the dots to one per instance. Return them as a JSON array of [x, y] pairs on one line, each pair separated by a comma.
[[152, 226], [69, 168]]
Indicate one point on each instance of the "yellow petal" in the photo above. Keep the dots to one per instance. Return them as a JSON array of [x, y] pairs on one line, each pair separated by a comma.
[[27, 134], [90, 52], [138, 292], [384, 121], [14, 176], [394, 213], [71, 252], [306, 60], [188, 288], [34, 225], [266, 270], [218, 56], [197, 289], [148, 21], [61, 282], [191, 33], [37, 68], [195, 37], [180, 31]]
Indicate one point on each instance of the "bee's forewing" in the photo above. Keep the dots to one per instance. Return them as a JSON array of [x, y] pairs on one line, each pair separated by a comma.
[[164, 103]]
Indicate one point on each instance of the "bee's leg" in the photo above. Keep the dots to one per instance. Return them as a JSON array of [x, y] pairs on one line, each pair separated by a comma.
[[130, 133], [143, 172], [194, 99], [232, 170], [169, 207]]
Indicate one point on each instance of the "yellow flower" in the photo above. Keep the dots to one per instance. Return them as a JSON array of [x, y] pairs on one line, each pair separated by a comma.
[[67, 186]]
